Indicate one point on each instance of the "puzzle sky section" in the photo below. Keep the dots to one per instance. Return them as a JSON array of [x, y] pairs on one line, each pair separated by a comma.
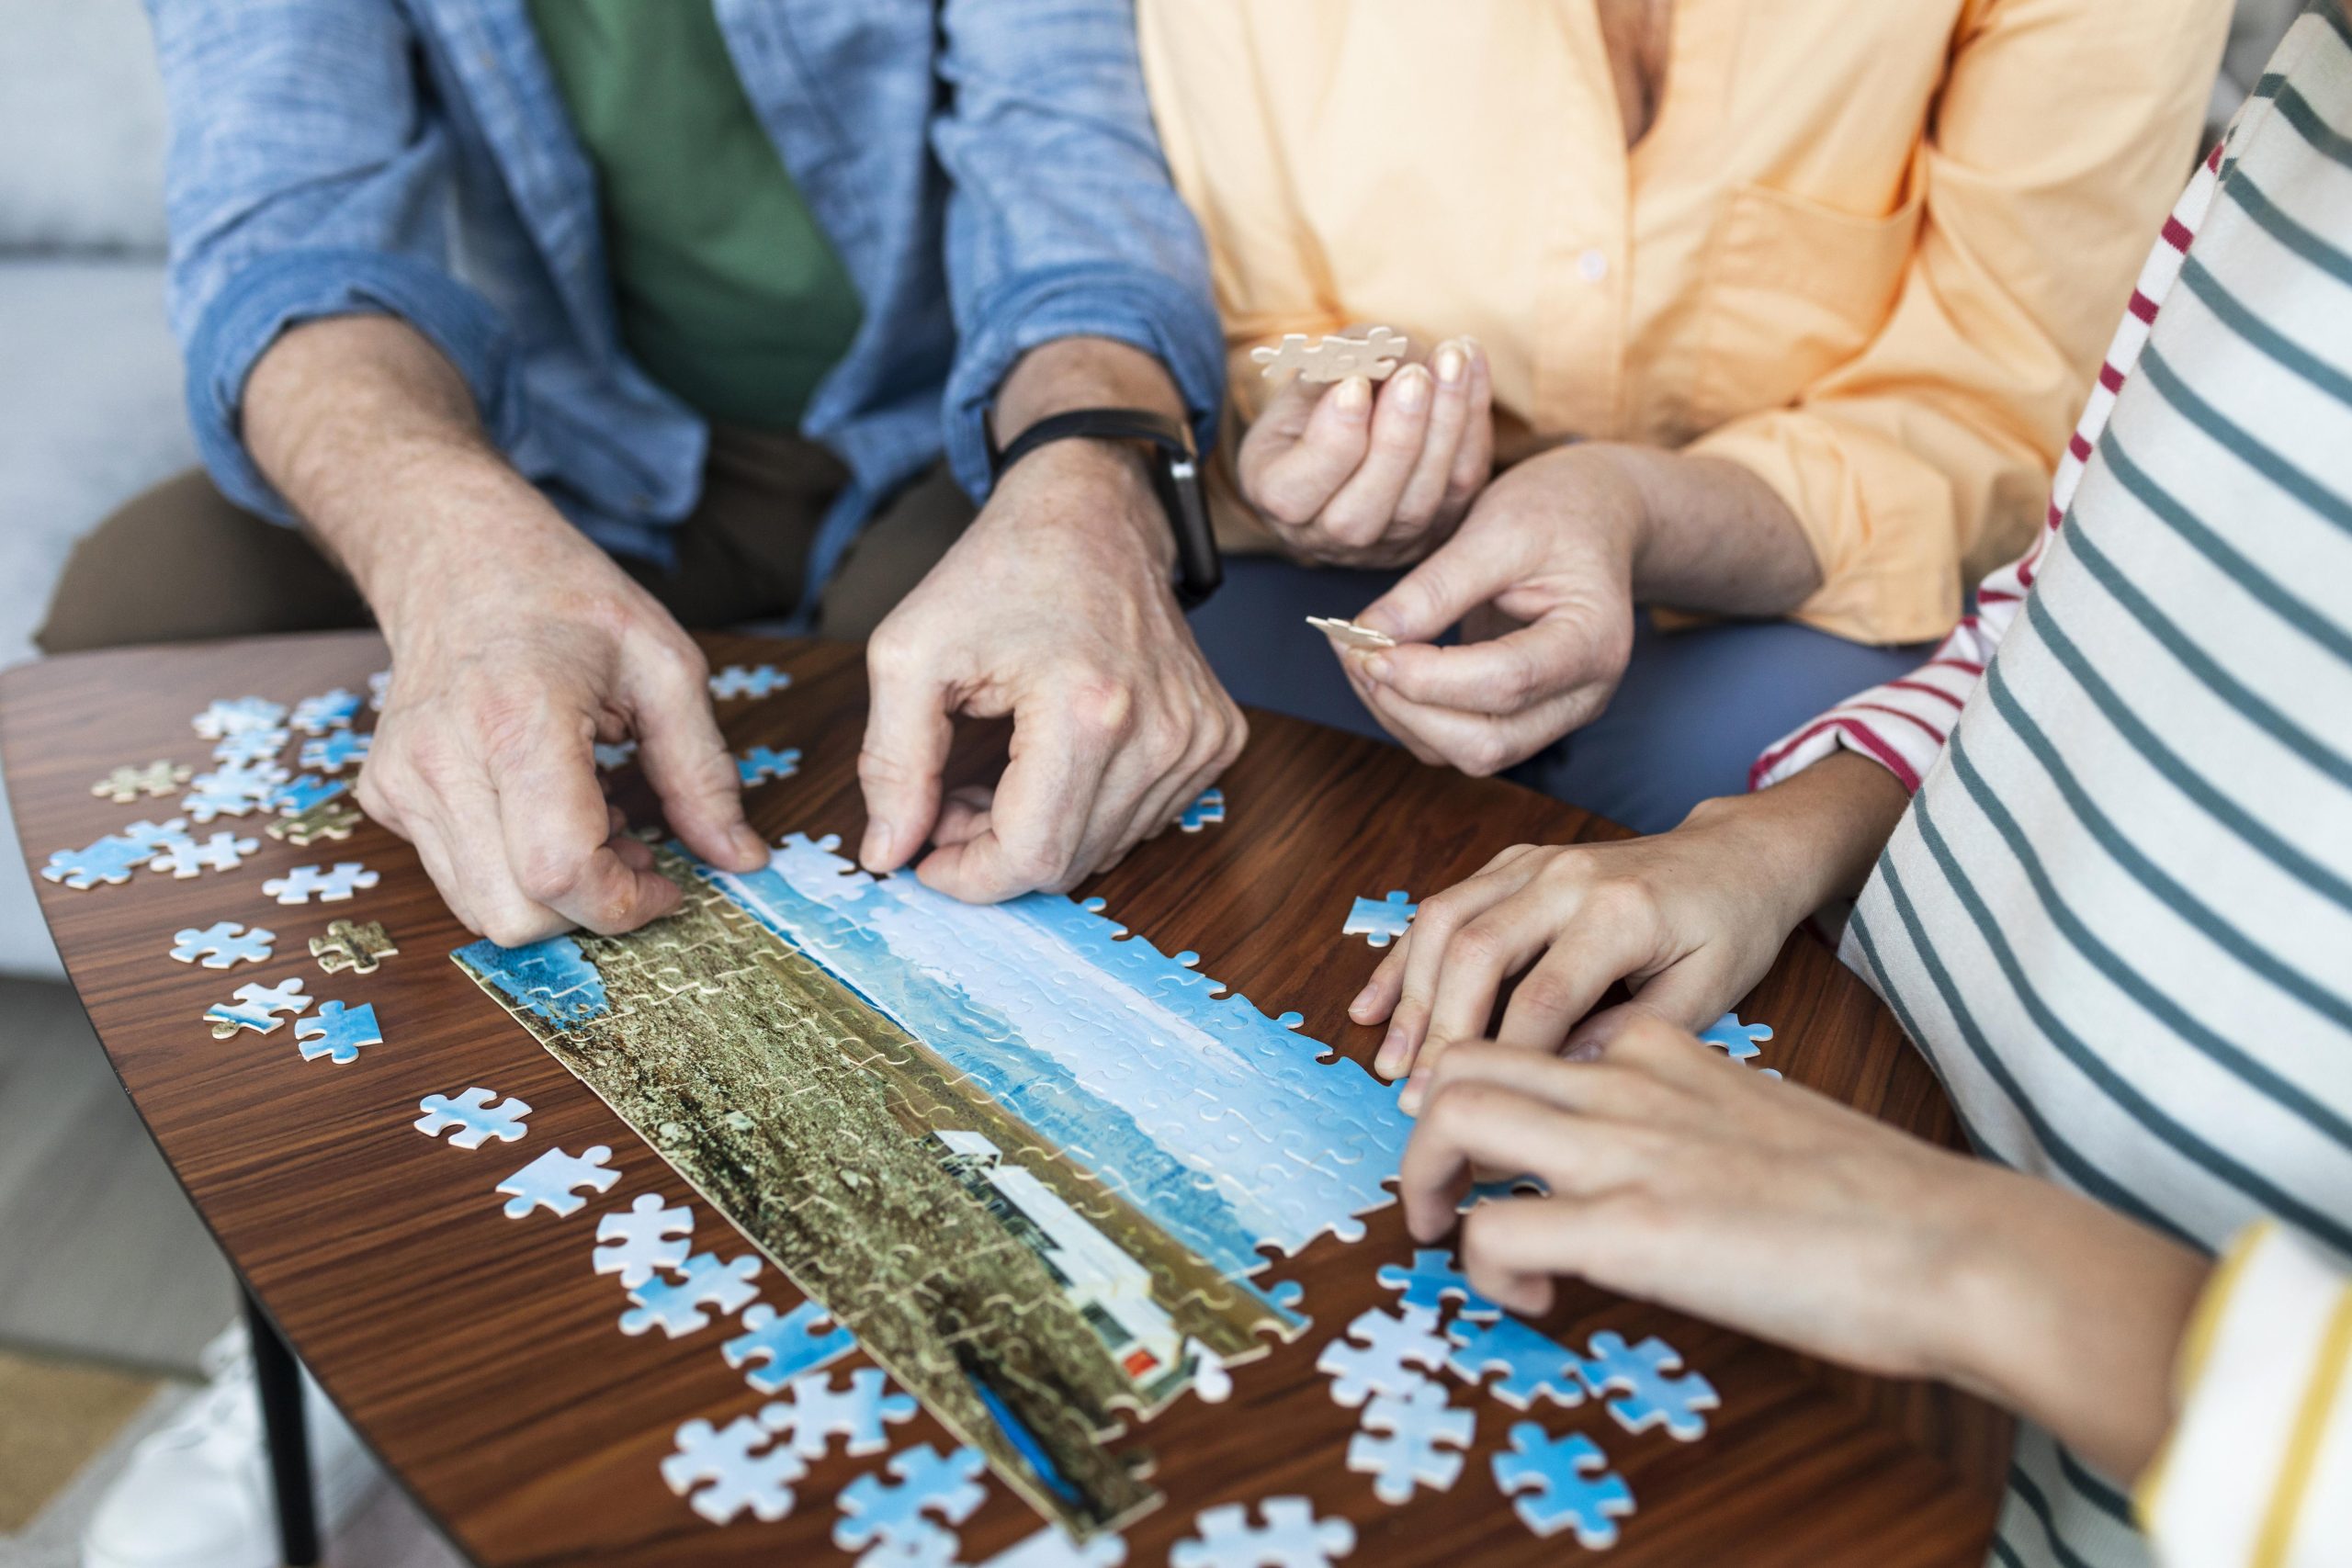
[[904, 1102]]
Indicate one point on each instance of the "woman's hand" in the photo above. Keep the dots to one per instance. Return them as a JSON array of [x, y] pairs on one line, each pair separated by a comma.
[[1681, 1178], [1350, 475], [1690, 920]]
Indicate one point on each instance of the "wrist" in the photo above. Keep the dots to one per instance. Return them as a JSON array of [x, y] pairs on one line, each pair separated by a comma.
[[1098, 491]]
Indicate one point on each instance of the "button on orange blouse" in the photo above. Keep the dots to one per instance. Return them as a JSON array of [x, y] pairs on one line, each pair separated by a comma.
[[1871, 249]]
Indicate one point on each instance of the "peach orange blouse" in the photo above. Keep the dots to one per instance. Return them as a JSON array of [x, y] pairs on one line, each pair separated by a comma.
[[1872, 250]]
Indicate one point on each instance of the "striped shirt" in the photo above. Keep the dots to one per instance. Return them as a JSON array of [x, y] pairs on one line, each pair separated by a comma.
[[2117, 917]]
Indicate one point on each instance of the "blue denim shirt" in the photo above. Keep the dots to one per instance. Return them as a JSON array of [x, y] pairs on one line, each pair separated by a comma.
[[987, 170]]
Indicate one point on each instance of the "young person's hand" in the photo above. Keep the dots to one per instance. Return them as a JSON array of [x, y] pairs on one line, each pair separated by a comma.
[[1358, 473], [1678, 1176], [1690, 920]]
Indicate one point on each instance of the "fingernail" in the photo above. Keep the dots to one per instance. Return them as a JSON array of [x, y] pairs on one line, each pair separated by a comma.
[[1354, 395], [1412, 393], [1409, 1100], [1392, 1054], [1585, 1051], [749, 844], [1376, 667], [876, 841], [1450, 362], [1363, 998]]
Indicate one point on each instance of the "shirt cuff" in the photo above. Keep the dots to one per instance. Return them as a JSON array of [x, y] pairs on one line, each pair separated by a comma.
[[1129, 306], [262, 300], [2258, 1467], [1878, 520]]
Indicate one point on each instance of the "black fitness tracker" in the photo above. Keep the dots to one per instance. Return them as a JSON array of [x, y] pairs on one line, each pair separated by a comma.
[[1175, 476]]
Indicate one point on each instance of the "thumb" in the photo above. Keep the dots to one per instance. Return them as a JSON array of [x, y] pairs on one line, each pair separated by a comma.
[[908, 731], [1458, 576]]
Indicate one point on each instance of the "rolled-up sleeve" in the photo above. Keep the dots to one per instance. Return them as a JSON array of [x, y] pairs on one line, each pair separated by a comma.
[[2062, 132], [307, 179], [1062, 221]]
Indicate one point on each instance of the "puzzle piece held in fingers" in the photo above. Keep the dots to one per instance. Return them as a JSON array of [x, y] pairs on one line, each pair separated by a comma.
[[1335, 356]]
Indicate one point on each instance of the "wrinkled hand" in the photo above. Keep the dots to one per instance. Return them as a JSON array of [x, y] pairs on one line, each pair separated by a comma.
[[516, 649], [1054, 608], [1549, 546], [1349, 474], [1689, 919]]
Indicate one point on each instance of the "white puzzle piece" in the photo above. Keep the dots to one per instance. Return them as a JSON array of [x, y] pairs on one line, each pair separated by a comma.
[[549, 1182], [477, 1120], [637, 1241], [703, 1281], [723, 1471], [1379, 1352], [1334, 356], [1290, 1535], [256, 1007], [223, 945], [1412, 1440], [813, 1412], [299, 886], [1350, 635]]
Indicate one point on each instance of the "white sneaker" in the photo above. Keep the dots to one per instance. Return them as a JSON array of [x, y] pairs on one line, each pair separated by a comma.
[[196, 1491]]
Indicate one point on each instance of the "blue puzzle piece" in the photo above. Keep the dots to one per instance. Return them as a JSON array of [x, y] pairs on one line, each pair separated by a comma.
[[789, 1344], [1209, 808], [749, 681], [331, 753], [677, 1305], [328, 710], [303, 792], [1432, 1281], [1533, 1364], [1739, 1041], [1568, 1484], [1380, 921], [336, 1032], [110, 859], [761, 763], [1651, 1398], [874, 1509]]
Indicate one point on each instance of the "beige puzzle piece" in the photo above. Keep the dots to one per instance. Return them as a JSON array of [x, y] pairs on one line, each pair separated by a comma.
[[356, 945], [1335, 356], [127, 784]]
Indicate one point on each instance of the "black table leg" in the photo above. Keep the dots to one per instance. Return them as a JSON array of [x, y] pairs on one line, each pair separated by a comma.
[[279, 1377]]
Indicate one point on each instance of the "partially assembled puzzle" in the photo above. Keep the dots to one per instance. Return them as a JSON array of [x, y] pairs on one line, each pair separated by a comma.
[[1026, 1159]]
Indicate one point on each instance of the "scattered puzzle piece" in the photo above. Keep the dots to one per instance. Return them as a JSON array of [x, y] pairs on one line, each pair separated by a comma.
[[1349, 635], [703, 1281], [228, 716], [760, 764], [185, 857], [1290, 1535], [1334, 356], [646, 1236], [615, 754], [1378, 1353], [332, 752], [1053, 1548], [788, 1344], [256, 1007], [548, 1181], [1739, 1041], [947, 1484], [1423, 1437], [250, 749], [328, 819], [1651, 1398], [330, 887], [813, 1412], [297, 795], [749, 681], [380, 687], [921, 1545], [110, 859], [328, 710], [337, 1032], [1567, 1482], [223, 945], [126, 784], [1432, 1282], [1533, 1364], [477, 1121], [1380, 921], [740, 1474], [1209, 808], [359, 946]]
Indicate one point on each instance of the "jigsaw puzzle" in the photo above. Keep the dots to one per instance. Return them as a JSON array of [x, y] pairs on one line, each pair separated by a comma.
[[1288, 1535], [1432, 1281], [337, 1032], [185, 857], [749, 681], [740, 1471], [922, 1481], [330, 819], [959, 1128], [678, 1306], [760, 764], [1534, 1366], [1209, 808], [332, 752], [1379, 1352], [1567, 1482], [1334, 356], [1650, 1398], [1412, 1440], [1054, 1548], [126, 784], [614, 754], [813, 1412], [476, 1119], [299, 886], [380, 688], [223, 945], [252, 750], [550, 1181], [112, 859], [646, 1236], [297, 794], [1349, 633], [1380, 921], [360, 946], [781, 1347], [328, 710], [233, 716], [256, 1007], [1738, 1040]]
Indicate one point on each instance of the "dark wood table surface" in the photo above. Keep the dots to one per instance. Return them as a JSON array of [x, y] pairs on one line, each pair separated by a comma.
[[479, 1357]]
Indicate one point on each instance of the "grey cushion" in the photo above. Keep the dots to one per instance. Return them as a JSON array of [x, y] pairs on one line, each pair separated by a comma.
[[82, 116]]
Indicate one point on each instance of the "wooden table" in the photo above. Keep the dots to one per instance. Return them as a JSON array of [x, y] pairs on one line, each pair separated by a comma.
[[479, 1357]]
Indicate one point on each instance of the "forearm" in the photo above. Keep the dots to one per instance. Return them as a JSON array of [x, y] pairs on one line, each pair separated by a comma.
[[1710, 534], [371, 436], [1817, 835], [1078, 373]]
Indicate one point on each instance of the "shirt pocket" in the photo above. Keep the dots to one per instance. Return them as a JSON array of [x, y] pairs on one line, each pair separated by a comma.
[[1794, 288]]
